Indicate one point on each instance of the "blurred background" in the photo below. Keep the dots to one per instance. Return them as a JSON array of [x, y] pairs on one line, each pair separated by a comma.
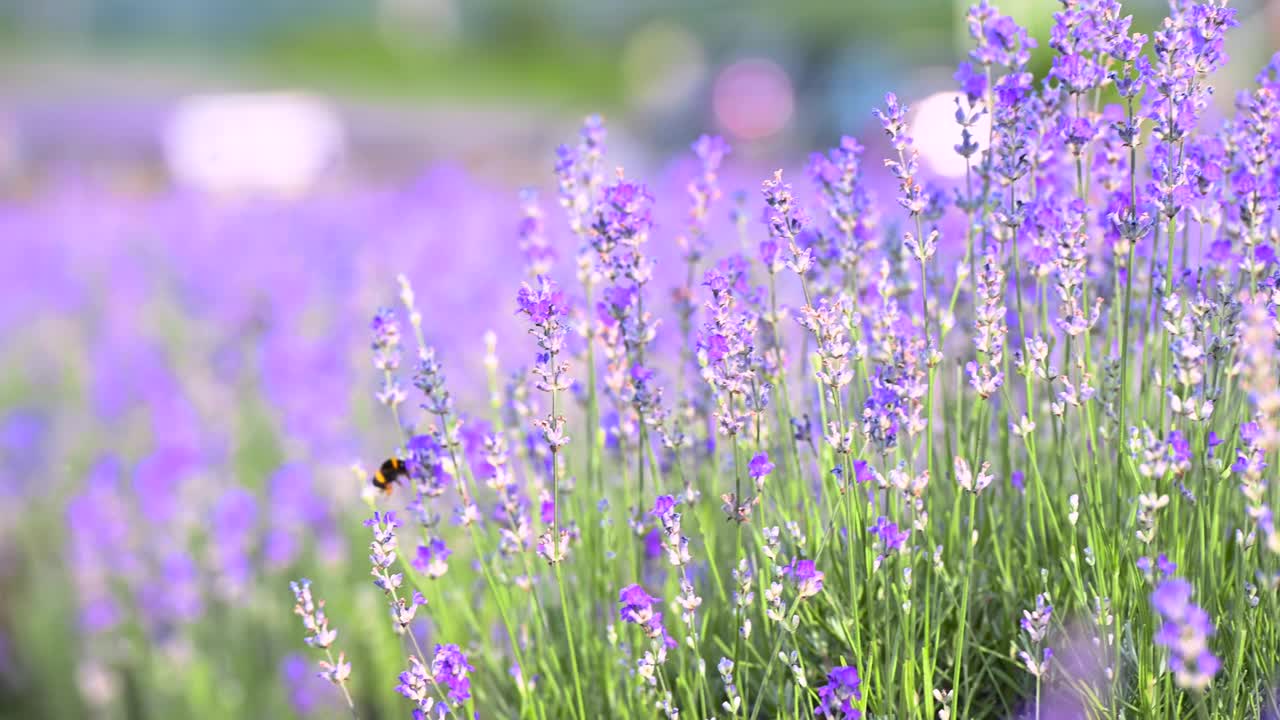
[[94, 84], [202, 202]]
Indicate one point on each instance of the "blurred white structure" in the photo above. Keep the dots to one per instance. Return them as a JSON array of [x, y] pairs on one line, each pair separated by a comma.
[[252, 142], [936, 133]]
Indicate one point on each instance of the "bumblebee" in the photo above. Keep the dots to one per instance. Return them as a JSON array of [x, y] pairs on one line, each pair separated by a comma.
[[392, 471]]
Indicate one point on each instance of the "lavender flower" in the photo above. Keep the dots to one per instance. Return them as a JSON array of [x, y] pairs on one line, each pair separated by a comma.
[[320, 635], [450, 671], [1035, 623], [999, 39], [539, 254], [1185, 632], [416, 684], [704, 191], [966, 479], [905, 168], [841, 695], [432, 559], [807, 577], [890, 537], [382, 556], [386, 355], [636, 607]]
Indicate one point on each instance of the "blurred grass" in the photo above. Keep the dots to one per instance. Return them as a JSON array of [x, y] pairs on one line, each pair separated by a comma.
[[358, 62]]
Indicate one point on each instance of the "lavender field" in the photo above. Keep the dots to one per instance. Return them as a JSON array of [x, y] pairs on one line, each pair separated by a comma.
[[854, 438]]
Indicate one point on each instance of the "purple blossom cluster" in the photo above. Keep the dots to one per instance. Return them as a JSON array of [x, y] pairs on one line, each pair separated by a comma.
[[991, 321], [840, 696], [1089, 311], [1184, 632]]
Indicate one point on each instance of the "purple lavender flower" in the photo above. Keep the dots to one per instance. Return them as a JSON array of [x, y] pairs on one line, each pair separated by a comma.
[[416, 684], [891, 538], [704, 191], [450, 670], [863, 472], [386, 339], [663, 505], [1185, 632], [382, 551], [636, 605], [577, 171], [759, 466], [906, 167], [1162, 568], [543, 302], [786, 222], [432, 559], [624, 219], [429, 378], [1035, 655], [1180, 448], [637, 608], [386, 355], [838, 698], [883, 411], [539, 254], [320, 635], [848, 204], [1144, 565], [1172, 598], [999, 39], [807, 577], [972, 82]]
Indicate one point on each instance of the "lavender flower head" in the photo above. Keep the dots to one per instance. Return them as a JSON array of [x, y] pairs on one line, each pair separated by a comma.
[[704, 191], [577, 171], [807, 577], [838, 698], [450, 670], [382, 551], [320, 635], [313, 615], [432, 559], [1035, 623], [540, 255], [386, 355], [905, 168], [998, 38], [759, 466], [620, 230], [887, 532], [786, 222], [1185, 632], [637, 608], [430, 380], [837, 176]]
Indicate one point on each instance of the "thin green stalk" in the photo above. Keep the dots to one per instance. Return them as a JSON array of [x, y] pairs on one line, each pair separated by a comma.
[[963, 624]]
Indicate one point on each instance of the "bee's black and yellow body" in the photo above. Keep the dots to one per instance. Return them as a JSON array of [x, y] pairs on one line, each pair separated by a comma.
[[392, 471]]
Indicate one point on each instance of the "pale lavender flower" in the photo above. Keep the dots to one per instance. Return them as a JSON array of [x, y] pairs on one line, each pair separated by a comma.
[[1185, 633], [1035, 623], [319, 634]]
